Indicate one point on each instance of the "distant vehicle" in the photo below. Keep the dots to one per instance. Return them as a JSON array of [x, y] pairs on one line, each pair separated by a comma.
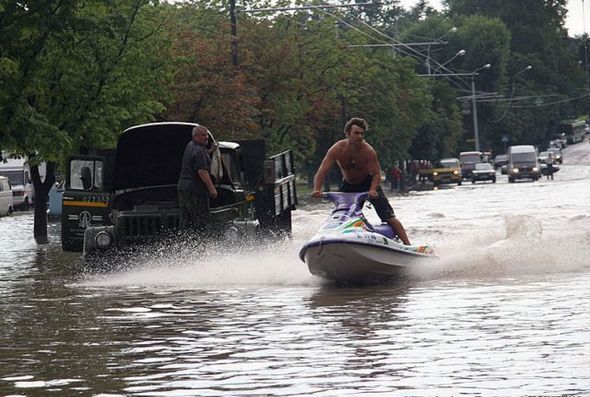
[[6, 207], [483, 172], [17, 170], [486, 157], [557, 154], [522, 163], [574, 131], [468, 161], [55, 200], [546, 157], [500, 160], [558, 143], [447, 171]]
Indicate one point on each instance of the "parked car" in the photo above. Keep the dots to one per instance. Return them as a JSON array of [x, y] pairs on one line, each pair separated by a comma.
[[500, 160], [483, 172], [18, 172], [6, 206], [557, 154]]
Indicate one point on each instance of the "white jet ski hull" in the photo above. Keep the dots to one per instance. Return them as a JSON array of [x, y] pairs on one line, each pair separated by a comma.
[[356, 262]]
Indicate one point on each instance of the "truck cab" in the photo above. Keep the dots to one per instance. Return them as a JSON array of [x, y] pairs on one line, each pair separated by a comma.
[[129, 197]]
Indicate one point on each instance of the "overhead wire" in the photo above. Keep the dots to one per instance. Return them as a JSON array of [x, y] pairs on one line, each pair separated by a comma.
[[400, 46], [458, 81]]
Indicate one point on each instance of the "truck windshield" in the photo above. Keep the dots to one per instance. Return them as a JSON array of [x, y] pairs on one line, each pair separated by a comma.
[[76, 174], [528, 157], [470, 158], [15, 177]]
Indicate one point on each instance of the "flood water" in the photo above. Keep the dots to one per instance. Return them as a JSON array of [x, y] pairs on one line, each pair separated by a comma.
[[505, 311]]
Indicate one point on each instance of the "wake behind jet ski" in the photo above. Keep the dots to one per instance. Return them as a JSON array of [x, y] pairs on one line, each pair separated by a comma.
[[348, 248]]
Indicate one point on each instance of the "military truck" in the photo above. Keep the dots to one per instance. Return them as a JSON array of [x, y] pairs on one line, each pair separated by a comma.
[[128, 196]]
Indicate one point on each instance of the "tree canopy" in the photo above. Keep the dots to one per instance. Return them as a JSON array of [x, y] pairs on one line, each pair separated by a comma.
[[76, 73]]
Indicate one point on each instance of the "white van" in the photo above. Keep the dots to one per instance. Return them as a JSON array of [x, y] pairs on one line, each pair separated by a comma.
[[523, 163], [16, 169], [6, 207]]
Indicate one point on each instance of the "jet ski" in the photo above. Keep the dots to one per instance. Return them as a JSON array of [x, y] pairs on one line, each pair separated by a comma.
[[349, 249]]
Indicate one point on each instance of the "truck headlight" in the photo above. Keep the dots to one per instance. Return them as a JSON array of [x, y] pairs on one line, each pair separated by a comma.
[[456, 172], [435, 173], [515, 170], [103, 239], [535, 169]]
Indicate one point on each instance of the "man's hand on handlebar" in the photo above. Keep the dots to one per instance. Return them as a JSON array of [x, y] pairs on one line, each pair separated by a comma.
[[373, 194], [316, 194]]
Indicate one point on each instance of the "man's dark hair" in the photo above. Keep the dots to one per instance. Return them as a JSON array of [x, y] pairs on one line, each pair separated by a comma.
[[355, 121]]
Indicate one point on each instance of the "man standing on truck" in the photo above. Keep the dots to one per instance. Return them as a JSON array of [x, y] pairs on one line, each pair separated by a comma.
[[194, 182], [360, 170]]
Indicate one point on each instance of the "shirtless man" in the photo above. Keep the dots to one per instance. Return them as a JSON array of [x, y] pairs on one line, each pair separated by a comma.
[[360, 170]]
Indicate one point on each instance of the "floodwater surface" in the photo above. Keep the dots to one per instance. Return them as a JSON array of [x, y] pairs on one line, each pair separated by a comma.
[[504, 312]]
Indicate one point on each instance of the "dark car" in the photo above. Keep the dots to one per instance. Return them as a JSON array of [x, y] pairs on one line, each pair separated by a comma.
[[557, 154], [500, 160], [483, 172]]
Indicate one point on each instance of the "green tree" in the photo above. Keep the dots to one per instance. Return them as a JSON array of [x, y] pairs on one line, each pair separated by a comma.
[[77, 73], [538, 38]]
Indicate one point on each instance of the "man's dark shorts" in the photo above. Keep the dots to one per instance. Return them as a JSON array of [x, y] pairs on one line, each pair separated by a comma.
[[380, 203]]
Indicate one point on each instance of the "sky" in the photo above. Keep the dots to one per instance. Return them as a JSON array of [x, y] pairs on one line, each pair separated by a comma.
[[574, 22]]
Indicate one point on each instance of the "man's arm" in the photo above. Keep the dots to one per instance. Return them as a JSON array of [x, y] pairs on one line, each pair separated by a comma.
[[375, 171], [318, 180], [204, 175]]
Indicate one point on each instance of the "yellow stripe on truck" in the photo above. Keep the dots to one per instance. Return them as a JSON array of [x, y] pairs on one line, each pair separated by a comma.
[[95, 204]]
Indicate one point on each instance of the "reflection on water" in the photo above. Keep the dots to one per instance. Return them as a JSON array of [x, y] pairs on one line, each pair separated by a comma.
[[504, 312], [446, 337]]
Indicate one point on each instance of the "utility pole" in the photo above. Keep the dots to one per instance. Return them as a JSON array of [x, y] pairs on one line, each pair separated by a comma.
[[234, 32], [585, 45], [473, 96], [474, 104], [474, 113]]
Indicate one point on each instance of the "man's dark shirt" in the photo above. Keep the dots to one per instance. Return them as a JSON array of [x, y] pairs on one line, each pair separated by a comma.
[[195, 158]]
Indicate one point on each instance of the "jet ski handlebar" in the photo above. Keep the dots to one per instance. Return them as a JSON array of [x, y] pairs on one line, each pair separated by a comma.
[[347, 201]]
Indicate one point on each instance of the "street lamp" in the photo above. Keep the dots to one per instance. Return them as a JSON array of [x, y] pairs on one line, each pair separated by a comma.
[[474, 104], [459, 53], [526, 69], [436, 41]]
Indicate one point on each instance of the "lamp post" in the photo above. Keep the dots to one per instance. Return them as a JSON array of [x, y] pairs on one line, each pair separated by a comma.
[[459, 53], [526, 69], [436, 41], [474, 103]]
